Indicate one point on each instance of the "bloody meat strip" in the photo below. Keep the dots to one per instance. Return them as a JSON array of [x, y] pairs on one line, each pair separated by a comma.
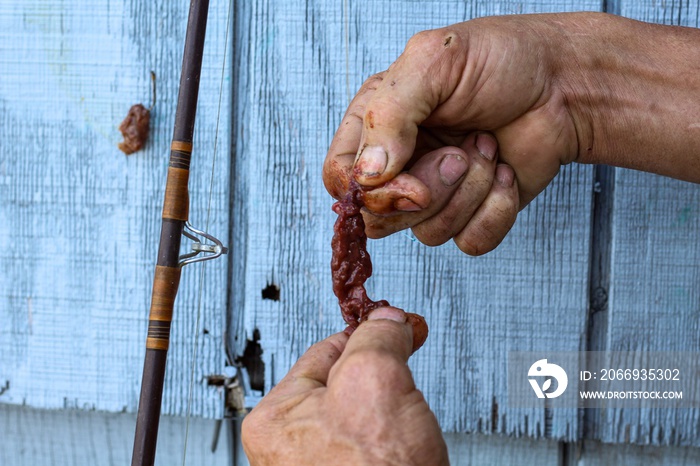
[[351, 265]]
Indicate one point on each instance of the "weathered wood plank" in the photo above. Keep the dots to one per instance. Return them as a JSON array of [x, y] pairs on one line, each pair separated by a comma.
[[33, 437], [79, 222], [602, 454], [530, 294], [75, 212], [654, 296], [71, 437], [479, 449]]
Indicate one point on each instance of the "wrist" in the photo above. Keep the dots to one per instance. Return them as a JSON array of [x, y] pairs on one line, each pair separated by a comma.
[[632, 91]]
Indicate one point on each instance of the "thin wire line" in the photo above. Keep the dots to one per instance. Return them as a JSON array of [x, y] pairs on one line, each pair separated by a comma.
[[346, 11], [206, 228]]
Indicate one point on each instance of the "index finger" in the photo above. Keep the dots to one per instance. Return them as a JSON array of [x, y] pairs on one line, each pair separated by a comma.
[[337, 167], [312, 369]]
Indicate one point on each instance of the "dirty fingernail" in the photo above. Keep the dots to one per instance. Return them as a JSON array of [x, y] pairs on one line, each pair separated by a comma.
[[420, 329], [388, 313], [372, 161], [487, 145], [407, 205], [505, 175], [451, 169]]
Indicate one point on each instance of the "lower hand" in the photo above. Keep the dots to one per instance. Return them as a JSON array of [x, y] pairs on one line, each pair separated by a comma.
[[348, 401]]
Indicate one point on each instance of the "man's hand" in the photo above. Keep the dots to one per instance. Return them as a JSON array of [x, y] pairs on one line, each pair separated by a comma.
[[551, 89], [348, 401], [412, 132]]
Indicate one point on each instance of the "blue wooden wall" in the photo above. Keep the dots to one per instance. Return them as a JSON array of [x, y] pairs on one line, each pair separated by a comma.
[[79, 221]]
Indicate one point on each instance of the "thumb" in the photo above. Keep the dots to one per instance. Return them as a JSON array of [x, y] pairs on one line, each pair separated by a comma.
[[413, 87], [388, 330]]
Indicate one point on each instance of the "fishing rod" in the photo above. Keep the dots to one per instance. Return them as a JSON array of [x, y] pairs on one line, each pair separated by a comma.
[[174, 225]]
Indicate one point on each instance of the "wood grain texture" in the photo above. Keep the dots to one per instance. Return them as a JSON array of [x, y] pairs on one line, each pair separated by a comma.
[[32, 437], [478, 450], [530, 294], [654, 299], [602, 454], [79, 223], [654, 296]]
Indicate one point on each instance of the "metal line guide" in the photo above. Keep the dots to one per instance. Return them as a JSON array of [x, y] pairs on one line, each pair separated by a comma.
[[210, 251]]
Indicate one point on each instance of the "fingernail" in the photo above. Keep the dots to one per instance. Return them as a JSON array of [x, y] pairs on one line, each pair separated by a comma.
[[420, 330], [452, 168], [388, 313], [487, 145], [406, 205], [505, 175], [372, 161]]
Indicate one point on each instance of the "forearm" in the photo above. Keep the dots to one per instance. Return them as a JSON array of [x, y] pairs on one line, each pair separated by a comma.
[[635, 94]]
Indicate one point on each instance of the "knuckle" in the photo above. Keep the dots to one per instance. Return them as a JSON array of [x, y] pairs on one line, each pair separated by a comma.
[[354, 113], [445, 222], [378, 230], [366, 360], [368, 369], [487, 232], [467, 244], [250, 429], [504, 208], [445, 39], [419, 38], [372, 82], [335, 180], [480, 236], [428, 38], [370, 85], [269, 414], [434, 234], [388, 113]]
